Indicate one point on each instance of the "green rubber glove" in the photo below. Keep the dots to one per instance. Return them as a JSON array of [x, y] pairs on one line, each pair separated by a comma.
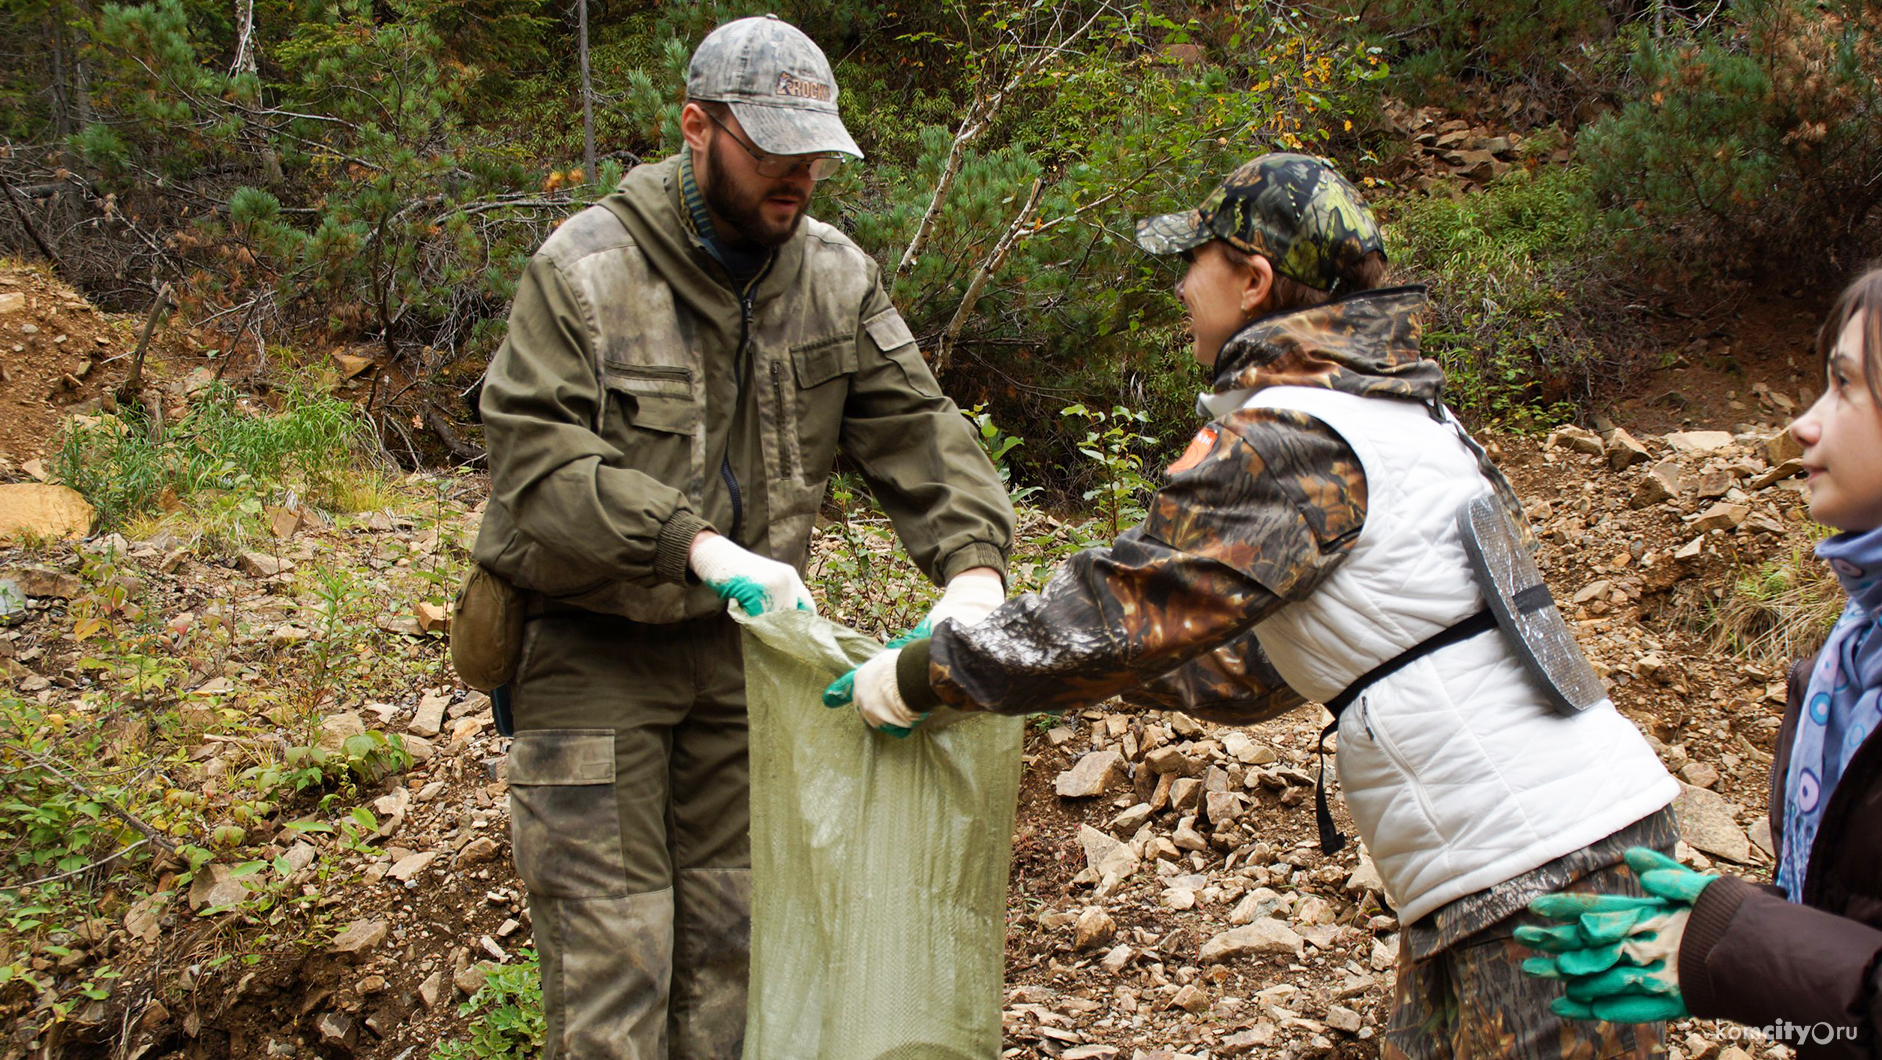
[[1617, 955]]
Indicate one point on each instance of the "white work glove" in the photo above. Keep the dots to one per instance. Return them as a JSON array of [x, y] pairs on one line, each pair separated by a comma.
[[969, 597], [752, 582], [872, 687]]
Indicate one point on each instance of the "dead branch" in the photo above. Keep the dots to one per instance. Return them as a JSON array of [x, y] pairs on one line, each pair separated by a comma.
[[134, 380], [978, 119], [987, 268], [446, 431], [33, 231]]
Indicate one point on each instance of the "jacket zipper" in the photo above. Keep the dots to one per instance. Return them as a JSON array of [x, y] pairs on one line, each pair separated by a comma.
[[738, 377], [785, 464]]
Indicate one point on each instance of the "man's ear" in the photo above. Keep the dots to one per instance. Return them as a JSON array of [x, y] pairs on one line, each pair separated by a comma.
[[1258, 287], [695, 126]]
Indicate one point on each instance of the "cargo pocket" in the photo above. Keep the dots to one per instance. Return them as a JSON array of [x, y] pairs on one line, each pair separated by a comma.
[[564, 823]]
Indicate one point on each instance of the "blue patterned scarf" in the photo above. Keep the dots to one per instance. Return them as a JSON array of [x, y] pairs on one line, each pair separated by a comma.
[[1842, 706]]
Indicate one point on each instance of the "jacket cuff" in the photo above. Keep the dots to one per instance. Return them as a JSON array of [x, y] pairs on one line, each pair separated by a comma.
[[978, 554], [911, 678], [675, 545], [1706, 925]]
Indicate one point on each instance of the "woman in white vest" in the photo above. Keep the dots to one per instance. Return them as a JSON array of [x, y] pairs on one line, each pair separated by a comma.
[[1307, 546]]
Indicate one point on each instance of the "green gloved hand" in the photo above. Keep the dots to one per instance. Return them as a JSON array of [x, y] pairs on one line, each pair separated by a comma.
[[752, 582], [1618, 955]]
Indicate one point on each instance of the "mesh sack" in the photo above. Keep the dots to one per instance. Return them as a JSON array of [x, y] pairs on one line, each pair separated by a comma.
[[879, 865]]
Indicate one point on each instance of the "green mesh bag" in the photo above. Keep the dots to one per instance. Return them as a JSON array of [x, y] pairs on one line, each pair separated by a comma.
[[879, 865]]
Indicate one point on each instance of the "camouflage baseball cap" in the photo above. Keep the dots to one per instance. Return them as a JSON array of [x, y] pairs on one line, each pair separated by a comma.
[[1292, 209], [777, 82]]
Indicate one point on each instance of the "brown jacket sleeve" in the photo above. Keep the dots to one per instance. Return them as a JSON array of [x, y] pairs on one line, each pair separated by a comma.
[[1752, 957], [1270, 505]]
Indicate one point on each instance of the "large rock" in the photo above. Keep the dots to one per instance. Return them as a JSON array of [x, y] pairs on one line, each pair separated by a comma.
[[1091, 775], [1261, 936], [1707, 822], [37, 510]]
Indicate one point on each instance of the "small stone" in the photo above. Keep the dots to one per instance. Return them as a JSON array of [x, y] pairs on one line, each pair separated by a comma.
[[262, 565], [1262, 936], [1384, 953], [1131, 819], [1118, 956], [1091, 775], [1782, 448], [334, 730], [1649, 491], [215, 886], [1366, 876], [470, 979], [1699, 774], [406, 868], [430, 716], [1184, 793], [1721, 516], [337, 1030], [361, 936], [1191, 998], [1167, 760], [1707, 822], [1624, 451], [1577, 439], [1759, 832], [1095, 928], [1343, 1019], [1699, 441], [1315, 910], [477, 851], [46, 512]]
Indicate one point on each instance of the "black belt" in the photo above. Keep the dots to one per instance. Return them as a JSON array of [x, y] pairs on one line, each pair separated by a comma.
[[1331, 841]]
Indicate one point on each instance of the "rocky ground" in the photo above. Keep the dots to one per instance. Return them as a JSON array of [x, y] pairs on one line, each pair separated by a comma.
[[1167, 896]]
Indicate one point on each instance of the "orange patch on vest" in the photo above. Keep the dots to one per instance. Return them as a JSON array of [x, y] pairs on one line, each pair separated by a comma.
[[1199, 447]]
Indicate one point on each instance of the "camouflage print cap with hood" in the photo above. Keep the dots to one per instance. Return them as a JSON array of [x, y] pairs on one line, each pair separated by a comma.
[[1292, 209]]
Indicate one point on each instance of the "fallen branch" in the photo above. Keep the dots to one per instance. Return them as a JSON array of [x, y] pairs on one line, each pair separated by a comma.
[[134, 381], [32, 230], [446, 431]]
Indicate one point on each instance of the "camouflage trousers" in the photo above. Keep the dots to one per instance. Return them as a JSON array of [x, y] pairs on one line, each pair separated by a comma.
[[1471, 1000], [630, 818]]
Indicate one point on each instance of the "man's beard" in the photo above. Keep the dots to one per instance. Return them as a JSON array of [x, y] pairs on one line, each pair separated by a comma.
[[745, 217]]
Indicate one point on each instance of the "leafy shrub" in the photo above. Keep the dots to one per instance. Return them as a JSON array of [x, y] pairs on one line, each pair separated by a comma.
[[509, 1024], [1557, 47], [1753, 146], [1524, 303], [219, 457]]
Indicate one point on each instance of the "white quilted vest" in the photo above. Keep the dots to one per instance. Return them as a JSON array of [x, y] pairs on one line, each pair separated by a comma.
[[1457, 773]]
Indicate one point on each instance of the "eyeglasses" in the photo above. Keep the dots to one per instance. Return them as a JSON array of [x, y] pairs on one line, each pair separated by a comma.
[[821, 166]]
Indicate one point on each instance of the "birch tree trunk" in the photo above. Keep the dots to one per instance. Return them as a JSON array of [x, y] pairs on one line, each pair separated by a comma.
[[588, 98]]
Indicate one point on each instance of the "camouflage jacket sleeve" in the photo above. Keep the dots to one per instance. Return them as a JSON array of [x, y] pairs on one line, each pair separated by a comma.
[[1234, 685], [1256, 515], [919, 455]]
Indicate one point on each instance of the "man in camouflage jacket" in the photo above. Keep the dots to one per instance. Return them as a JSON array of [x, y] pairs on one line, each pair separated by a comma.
[[683, 362]]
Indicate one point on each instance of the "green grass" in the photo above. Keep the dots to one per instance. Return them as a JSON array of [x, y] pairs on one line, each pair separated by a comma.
[[222, 463]]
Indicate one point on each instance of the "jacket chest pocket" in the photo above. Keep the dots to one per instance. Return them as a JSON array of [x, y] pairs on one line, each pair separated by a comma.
[[654, 397], [653, 416], [809, 405]]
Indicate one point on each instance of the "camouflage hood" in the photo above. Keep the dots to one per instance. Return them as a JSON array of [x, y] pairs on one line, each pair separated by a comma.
[[1365, 344]]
